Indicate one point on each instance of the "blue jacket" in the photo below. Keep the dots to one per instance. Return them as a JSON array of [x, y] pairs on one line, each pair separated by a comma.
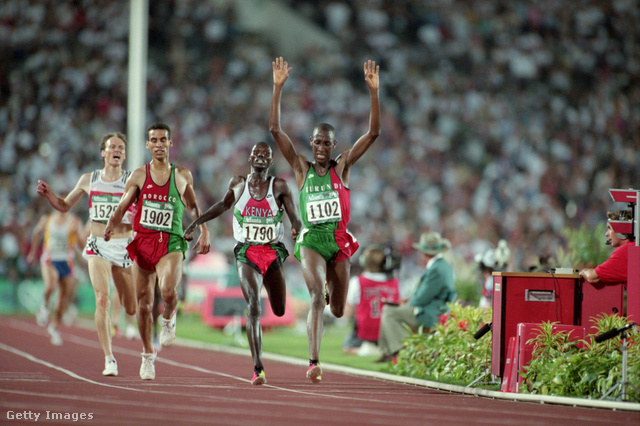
[[435, 289]]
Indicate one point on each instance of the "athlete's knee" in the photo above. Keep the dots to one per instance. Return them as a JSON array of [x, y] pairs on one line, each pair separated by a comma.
[[317, 301], [337, 311], [102, 301], [278, 310], [168, 293], [145, 307], [131, 308], [253, 307]]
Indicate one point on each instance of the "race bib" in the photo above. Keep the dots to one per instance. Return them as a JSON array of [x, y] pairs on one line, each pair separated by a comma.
[[156, 215], [324, 207], [258, 230], [102, 207]]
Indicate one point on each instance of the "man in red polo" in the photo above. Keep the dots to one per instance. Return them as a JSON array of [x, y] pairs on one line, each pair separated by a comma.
[[614, 269]]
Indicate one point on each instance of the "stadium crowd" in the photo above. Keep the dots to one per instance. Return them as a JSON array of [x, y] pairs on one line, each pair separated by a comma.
[[501, 119]]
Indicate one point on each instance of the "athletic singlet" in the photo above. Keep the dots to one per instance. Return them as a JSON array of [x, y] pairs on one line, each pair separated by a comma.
[[257, 221], [58, 240], [159, 208], [325, 203], [369, 310], [105, 196]]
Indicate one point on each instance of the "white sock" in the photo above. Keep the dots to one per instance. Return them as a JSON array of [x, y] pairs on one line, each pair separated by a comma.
[[110, 358]]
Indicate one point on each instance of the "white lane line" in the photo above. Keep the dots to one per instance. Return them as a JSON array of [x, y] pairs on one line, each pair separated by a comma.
[[26, 326], [60, 369]]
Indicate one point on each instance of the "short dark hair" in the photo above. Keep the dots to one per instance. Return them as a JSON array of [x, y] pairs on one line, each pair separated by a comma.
[[325, 127], [159, 126]]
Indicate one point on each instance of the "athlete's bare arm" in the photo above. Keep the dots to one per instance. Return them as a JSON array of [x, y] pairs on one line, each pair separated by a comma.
[[184, 183], [284, 197], [298, 162], [236, 186], [349, 157], [36, 239], [64, 205], [131, 190]]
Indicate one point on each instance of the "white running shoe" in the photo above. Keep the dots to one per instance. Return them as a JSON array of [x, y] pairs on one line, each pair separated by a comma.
[[56, 340], [110, 368], [42, 317], [168, 330], [131, 332], [148, 368]]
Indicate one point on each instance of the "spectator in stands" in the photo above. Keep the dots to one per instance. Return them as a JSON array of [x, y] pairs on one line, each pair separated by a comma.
[[435, 289], [367, 292]]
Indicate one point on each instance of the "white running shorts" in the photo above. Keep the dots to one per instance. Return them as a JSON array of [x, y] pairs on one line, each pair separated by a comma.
[[114, 251]]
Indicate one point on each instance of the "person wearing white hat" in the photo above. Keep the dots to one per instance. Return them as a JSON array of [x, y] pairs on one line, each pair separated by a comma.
[[435, 289]]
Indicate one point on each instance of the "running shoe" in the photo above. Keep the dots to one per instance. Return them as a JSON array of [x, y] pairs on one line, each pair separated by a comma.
[[168, 330], [259, 378], [327, 299], [42, 317], [148, 367], [115, 331], [314, 373], [110, 368], [56, 340]]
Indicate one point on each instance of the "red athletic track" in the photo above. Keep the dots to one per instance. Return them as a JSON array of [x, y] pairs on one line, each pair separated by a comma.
[[199, 386]]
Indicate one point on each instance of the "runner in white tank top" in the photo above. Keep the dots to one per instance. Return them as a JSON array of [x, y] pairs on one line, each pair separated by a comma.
[[105, 259]]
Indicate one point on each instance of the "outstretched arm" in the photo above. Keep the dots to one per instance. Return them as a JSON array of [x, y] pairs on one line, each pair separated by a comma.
[[286, 199], [60, 204], [36, 239], [280, 74], [371, 77], [236, 186], [189, 197]]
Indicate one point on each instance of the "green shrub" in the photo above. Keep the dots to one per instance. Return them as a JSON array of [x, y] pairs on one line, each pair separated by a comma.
[[560, 367], [468, 282], [585, 247], [450, 353]]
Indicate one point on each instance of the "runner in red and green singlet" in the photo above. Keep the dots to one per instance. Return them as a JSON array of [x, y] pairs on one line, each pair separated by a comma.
[[161, 191], [324, 246]]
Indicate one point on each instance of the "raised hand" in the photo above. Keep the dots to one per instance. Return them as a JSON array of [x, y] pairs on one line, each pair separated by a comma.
[[43, 188], [280, 71], [371, 72]]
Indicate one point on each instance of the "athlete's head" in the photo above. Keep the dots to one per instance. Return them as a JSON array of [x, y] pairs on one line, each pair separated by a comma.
[[113, 146], [159, 126], [261, 156], [323, 141]]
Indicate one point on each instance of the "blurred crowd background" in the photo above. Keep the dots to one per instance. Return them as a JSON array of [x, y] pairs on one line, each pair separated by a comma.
[[501, 119]]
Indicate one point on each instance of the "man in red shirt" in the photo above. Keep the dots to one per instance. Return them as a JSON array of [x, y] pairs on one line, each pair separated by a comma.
[[614, 269]]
